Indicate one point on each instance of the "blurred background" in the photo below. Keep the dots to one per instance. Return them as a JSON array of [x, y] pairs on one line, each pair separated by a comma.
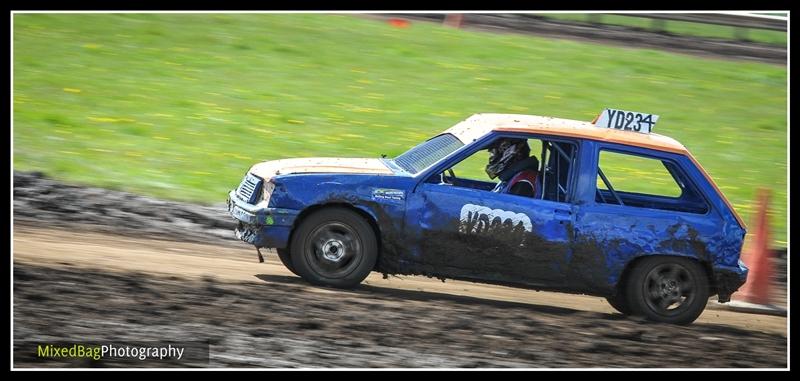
[[179, 106]]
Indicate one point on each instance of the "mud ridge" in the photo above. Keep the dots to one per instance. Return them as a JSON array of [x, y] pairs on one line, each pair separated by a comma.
[[288, 324], [41, 201]]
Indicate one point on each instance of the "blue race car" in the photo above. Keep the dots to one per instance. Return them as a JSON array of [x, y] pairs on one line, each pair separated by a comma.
[[604, 208]]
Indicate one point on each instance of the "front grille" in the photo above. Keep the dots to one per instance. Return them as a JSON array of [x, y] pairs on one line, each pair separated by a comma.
[[249, 189]]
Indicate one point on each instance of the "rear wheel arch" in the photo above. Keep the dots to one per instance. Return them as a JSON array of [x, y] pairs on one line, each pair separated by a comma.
[[623, 277], [712, 283]]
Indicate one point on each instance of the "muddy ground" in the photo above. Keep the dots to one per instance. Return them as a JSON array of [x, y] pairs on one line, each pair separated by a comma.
[[75, 284], [41, 201], [284, 323]]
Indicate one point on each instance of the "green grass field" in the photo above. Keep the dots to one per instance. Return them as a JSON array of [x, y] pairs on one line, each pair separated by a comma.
[[179, 106], [682, 28]]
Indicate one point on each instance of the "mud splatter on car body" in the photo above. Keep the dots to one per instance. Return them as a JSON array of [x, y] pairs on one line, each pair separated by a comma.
[[462, 230]]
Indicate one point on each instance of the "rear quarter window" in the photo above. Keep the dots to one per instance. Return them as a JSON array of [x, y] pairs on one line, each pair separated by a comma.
[[637, 174], [646, 182]]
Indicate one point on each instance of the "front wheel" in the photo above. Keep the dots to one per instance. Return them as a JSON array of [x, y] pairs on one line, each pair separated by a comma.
[[286, 258], [668, 289], [334, 247]]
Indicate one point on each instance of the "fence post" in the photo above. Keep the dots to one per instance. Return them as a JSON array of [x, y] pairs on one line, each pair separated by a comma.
[[454, 20]]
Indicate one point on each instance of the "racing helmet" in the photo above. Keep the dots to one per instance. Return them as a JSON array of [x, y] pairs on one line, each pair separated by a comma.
[[504, 153]]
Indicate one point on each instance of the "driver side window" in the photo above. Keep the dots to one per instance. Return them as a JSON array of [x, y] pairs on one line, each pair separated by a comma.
[[543, 174], [471, 172], [468, 173], [473, 167]]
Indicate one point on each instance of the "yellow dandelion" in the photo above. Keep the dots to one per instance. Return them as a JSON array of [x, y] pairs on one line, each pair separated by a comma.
[[103, 119]]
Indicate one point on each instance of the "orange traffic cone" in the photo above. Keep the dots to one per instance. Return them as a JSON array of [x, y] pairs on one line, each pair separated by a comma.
[[755, 256], [399, 23]]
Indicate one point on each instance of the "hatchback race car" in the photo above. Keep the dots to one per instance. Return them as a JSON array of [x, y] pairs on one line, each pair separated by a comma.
[[607, 209]]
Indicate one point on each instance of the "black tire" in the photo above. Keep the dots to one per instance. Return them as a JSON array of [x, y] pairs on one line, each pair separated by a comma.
[[286, 258], [667, 289], [619, 303], [334, 247]]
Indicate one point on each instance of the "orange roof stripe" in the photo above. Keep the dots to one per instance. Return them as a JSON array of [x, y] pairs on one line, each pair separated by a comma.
[[608, 135], [480, 124], [572, 128]]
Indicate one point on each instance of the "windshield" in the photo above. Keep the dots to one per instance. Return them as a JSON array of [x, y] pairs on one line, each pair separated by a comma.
[[424, 155]]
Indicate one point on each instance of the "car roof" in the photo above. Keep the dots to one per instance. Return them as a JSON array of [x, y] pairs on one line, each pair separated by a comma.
[[480, 124]]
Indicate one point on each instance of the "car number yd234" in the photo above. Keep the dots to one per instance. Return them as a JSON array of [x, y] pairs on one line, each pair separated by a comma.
[[626, 120]]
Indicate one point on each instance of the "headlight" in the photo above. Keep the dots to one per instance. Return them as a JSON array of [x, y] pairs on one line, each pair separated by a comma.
[[268, 187]]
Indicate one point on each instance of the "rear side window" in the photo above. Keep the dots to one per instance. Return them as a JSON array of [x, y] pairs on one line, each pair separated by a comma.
[[645, 182], [637, 174]]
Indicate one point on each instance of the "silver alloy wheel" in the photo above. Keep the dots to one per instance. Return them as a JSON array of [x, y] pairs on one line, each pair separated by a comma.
[[334, 249], [669, 288]]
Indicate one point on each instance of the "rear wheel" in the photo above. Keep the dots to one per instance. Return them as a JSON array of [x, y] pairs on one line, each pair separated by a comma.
[[334, 247], [286, 258], [668, 289], [619, 303]]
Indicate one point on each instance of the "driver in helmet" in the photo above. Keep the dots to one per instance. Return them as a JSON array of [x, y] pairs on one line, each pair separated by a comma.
[[510, 161]]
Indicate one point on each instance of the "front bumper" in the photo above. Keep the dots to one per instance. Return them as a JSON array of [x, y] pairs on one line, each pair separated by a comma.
[[262, 227]]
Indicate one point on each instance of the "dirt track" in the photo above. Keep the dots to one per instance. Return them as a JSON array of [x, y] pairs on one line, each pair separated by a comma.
[[77, 286]]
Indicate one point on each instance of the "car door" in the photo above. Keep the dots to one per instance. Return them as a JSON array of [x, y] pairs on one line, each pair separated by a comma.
[[472, 232]]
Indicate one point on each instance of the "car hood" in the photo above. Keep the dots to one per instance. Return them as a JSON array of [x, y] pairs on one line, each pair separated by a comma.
[[269, 169]]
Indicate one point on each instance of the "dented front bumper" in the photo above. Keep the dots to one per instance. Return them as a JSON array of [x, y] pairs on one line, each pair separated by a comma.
[[260, 226]]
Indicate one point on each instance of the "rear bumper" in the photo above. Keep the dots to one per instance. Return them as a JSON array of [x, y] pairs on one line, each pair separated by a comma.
[[728, 279], [262, 227]]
